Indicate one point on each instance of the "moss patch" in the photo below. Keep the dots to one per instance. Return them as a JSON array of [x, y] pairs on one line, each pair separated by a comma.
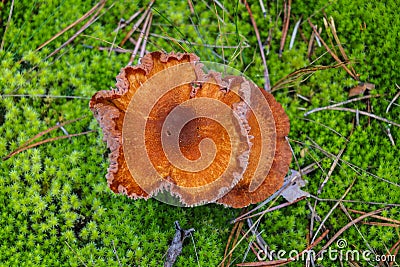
[[55, 207]]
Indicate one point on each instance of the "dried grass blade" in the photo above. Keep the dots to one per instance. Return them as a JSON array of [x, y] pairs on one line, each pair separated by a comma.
[[83, 263], [343, 208], [348, 226], [341, 103], [366, 114], [263, 10], [140, 39], [85, 16], [394, 99], [137, 24], [146, 36], [123, 24], [286, 20], [271, 209], [395, 250], [8, 24], [198, 44], [306, 170], [310, 48], [83, 28], [330, 51], [59, 125], [332, 168], [333, 208], [382, 224], [329, 33], [235, 231], [15, 152], [300, 73], [376, 216], [337, 40]]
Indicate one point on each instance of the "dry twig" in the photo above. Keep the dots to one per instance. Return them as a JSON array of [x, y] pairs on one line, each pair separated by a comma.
[[344, 228], [260, 242], [176, 246], [285, 27], [144, 30], [341, 103], [343, 208], [377, 217], [15, 152], [137, 24], [48, 96], [146, 36], [191, 6], [395, 250], [366, 114], [235, 230], [394, 99], [122, 23]]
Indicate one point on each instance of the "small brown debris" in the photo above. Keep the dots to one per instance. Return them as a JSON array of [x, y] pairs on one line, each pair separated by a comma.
[[175, 248], [360, 89]]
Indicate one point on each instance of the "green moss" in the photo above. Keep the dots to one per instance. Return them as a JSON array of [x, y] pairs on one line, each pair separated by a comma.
[[56, 208]]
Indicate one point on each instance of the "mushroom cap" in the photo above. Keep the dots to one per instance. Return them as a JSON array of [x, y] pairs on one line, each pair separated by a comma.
[[240, 196], [222, 129]]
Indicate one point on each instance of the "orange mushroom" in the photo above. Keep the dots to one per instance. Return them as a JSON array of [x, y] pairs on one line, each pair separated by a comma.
[[201, 137]]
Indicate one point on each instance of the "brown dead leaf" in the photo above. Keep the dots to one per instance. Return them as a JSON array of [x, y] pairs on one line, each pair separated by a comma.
[[360, 89]]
